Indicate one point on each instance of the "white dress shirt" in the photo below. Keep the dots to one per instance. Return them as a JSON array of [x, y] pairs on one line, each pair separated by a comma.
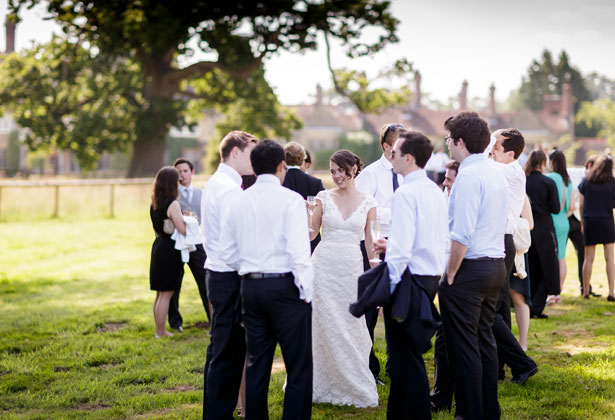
[[478, 208], [376, 180], [221, 190], [266, 231], [182, 191], [576, 176], [515, 179], [419, 233]]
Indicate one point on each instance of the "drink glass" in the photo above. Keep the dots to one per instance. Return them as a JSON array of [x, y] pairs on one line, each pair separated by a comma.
[[311, 200], [374, 228]]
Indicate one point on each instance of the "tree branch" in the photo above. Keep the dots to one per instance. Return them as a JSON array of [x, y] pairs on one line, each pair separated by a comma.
[[336, 84]]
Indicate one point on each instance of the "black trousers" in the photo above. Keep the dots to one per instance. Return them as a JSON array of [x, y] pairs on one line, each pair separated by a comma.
[[409, 392], [468, 308], [371, 319], [576, 237], [543, 264], [509, 350], [197, 266], [273, 313], [226, 353]]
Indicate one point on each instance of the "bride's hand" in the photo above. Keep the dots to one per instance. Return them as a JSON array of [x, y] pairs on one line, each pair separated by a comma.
[[380, 246]]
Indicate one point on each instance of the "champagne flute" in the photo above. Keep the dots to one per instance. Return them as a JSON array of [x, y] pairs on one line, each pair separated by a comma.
[[311, 200], [374, 228]]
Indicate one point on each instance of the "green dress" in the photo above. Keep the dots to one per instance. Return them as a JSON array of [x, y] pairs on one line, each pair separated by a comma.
[[560, 220]]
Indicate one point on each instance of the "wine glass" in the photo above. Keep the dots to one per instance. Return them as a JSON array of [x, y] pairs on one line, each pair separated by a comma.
[[311, 200], [374, 228]]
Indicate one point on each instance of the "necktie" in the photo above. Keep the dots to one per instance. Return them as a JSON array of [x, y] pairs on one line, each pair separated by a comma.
[[395, 182], [187, 194]]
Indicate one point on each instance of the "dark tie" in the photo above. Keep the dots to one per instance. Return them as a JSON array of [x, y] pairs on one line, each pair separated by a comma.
[[395, 182]]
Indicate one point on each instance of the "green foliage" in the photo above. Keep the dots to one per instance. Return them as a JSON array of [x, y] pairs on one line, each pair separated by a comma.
[[600, 114], [70, 99], [235, 36], [361, 143]]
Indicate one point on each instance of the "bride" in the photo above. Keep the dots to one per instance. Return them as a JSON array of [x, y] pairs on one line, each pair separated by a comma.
[[341, 342]]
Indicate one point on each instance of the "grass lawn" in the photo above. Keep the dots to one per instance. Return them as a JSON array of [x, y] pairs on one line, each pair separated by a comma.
[[77, 336]]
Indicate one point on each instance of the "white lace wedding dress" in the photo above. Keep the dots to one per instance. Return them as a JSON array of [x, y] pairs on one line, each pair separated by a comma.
[[340, 342]]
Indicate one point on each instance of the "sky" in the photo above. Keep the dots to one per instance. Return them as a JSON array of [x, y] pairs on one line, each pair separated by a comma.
[[448, 41]]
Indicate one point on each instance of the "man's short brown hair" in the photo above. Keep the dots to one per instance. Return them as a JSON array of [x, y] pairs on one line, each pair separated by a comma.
[[294, 154], [235, 138], [453, 165], [389, 133]]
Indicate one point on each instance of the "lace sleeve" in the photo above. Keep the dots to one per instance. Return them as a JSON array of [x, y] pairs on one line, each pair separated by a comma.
[[323, 197], [370, 203]]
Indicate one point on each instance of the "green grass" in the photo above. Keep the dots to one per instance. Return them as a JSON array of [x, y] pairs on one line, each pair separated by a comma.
[[62, 281]]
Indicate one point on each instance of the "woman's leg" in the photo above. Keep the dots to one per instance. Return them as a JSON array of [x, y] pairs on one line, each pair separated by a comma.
[[609, 257], [522, 313], [562, 273], [590, 252], [161, 310]]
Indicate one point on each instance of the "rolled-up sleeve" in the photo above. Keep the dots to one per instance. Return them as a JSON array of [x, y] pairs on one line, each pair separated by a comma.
[[298, 248], [401, 239], [466, 197]]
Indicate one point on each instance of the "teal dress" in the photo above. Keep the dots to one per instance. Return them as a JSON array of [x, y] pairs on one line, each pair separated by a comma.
[[560, 220]]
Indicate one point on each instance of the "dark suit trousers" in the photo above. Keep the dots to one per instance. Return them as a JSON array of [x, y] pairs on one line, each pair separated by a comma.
[[543, 263], [409, 393], [576, 237], [197, 266], [444, 375], [509, 350], [227, 347], [371, 319], [273, 313], [468, 308]]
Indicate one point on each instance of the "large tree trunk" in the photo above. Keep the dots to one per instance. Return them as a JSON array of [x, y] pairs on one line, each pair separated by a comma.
[[147, 156]]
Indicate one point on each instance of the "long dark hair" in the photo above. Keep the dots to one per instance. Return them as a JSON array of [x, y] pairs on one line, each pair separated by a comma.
[[558, 165], [536, 159], [346, 159], [166, 185], [602, 171]]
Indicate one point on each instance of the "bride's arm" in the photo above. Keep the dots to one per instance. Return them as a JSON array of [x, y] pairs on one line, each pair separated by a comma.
[[369, 243], [316, 219]]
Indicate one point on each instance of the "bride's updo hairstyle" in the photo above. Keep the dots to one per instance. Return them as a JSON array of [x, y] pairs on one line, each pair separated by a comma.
[[346, 159]]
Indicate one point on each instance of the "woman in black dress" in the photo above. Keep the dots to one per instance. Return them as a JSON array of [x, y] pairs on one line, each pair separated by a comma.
[[542, 255], [165, 270], [597, 202]]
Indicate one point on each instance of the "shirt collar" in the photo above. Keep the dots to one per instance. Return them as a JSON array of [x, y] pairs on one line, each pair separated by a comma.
[[385, 162], [182, 188], [415, 175], [294, 167], [227, 170], [268, 179], [473, 158]]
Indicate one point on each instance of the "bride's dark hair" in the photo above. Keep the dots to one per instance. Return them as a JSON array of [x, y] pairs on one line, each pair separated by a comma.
[[346, 159]]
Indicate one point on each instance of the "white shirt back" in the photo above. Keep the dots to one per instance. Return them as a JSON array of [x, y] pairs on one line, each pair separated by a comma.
[[419, 228], [221, 190], [266, 231], [515, 179]]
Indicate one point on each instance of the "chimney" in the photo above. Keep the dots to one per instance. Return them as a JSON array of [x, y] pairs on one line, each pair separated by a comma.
[[492, 100], [463, 96], [567, 106], [416, 99], [10, 37], [318, 94]]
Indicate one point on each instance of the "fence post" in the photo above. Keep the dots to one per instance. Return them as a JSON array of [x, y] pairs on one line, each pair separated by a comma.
[[111, 201], [56, 204]]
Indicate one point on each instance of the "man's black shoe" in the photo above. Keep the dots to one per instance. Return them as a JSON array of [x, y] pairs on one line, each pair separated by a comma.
[[594, 294], [539, 316], [178, 328], [522, 378]]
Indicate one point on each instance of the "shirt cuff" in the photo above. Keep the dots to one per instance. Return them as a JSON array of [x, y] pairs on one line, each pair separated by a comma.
[[463, 240]]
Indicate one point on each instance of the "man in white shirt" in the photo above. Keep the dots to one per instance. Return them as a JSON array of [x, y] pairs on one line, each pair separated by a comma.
[[189, 201], [226, 352], [417, 242], [475, 272], [379, 181], [265, 238]]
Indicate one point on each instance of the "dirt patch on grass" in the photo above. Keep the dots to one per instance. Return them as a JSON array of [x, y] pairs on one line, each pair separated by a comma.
[[181, 388], [579, 341], [202, 325], [92, 406], [111, 326], [278, 366]]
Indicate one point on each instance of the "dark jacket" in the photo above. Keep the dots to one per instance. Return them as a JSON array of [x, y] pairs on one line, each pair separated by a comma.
[[410, 303]]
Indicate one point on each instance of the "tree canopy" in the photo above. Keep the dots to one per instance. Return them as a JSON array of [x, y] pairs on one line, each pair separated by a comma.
[[221, 39]]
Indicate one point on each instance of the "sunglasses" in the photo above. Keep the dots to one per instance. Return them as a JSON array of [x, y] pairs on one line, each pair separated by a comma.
[[393, 128]]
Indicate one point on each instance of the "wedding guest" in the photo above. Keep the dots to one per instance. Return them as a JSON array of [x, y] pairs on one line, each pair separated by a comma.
[[475, 272], [452, 167], [307, 162], [509, 143], [379, 181], [559, 174], [190, 202], [417, 242], [265, 239], [542, 255], [226, 352], [166, 266], [341, 342], [597, 203]]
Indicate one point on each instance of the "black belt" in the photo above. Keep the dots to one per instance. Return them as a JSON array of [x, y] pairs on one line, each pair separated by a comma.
[[484, 259], [266, 275]]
